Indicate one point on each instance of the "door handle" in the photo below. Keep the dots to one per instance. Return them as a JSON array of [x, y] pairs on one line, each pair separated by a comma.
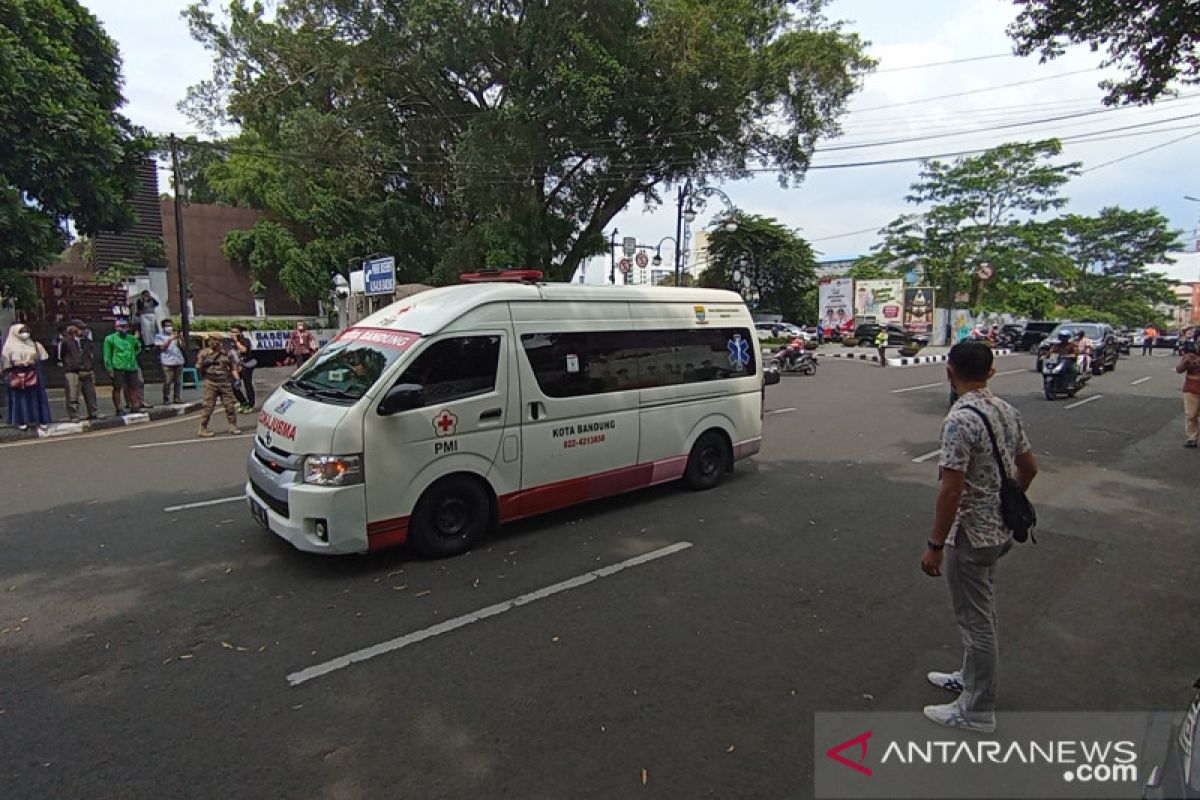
[[536, 410], [491, 413]]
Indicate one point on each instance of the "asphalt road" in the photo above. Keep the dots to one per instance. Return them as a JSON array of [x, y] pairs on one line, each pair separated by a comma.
[[145, 652]]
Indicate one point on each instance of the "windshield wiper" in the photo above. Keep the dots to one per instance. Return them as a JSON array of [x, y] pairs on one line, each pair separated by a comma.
[[335, 393]]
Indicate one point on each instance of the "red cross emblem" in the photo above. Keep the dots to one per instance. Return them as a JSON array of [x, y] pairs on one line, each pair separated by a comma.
[[445, 423]]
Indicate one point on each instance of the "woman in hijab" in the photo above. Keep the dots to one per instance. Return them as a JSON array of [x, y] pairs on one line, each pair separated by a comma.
[[21, 359]]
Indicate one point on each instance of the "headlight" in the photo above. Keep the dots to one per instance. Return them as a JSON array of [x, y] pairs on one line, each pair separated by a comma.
[[333, 470]]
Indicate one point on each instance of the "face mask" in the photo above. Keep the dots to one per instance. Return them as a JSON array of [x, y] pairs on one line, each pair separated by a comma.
[[167, 331], [23, 336], [123, 331]]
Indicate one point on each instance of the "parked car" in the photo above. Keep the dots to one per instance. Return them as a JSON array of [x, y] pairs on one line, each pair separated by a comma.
[[1104, 344], [864, 335], [1034, 333], [1124, 342], [777, 330]]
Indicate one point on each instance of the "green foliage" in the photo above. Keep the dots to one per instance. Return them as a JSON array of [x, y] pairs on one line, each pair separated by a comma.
[[118, 272], [1154, 41], [869, 268], [274, 255], [1033, 300], [153, 252], [981, 211], [459, 135], [1078, 313], [66, 155], [204, 324], [767, 262]]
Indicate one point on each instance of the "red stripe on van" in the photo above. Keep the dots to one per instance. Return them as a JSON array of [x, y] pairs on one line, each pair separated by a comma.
[[387, 533]]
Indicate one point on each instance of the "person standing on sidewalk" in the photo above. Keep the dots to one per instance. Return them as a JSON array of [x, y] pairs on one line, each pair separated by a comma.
[[881, 340], [120, 361], [21, 362], [246, 364], [146, 309], [968, 519], [215, 366], [1189, 366], [301, 344], [170, 352], [77, 355]]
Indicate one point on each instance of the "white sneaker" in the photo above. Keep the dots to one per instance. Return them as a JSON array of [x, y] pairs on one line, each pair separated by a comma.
[[951, 716], [950, 681]]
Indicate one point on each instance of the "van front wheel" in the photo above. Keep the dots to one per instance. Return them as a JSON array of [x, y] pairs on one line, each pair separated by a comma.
[[710, 459], [450, 518]]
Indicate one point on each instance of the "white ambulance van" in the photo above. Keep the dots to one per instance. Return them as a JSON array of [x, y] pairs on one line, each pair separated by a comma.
[[436, 418]]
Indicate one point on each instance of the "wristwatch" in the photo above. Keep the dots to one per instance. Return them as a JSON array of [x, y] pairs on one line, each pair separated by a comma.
[[934, 546]]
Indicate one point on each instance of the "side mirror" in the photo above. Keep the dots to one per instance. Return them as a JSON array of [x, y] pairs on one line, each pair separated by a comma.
[[771, 377], [403, 397]]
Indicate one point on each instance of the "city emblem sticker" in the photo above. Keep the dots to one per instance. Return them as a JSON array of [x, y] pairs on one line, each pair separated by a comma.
[[739, 352], [445, 424], [283, 407], [701, 314]]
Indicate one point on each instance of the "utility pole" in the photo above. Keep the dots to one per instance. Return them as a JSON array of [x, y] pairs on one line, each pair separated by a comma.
[[180, 258]]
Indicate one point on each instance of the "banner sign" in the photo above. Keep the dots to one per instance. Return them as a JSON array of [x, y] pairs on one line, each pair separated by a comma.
[[380, 275], [881, 299], [277, 339], [918, 309], [835, 297]]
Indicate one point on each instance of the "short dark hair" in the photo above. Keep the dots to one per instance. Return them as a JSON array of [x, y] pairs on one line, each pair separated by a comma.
[[972, 361]]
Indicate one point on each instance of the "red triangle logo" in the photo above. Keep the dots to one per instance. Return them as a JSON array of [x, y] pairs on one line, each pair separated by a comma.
[[860, 741]]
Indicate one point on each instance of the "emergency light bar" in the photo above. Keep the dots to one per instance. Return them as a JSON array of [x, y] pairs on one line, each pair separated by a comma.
[[502, 276]]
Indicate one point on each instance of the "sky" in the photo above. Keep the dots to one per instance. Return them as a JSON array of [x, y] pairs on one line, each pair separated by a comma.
[[840, 209]]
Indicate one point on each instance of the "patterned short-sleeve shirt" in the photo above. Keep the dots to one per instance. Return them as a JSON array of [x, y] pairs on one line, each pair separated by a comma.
[[967, 448]]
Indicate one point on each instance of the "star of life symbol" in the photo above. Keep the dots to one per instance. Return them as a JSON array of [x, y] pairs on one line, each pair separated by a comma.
[[739, 352], [445, 424]]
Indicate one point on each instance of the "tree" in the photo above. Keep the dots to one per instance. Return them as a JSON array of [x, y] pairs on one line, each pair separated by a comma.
[[1154, 41], [981, 210], [1110, 253], [511, 133], [765, 261], [66, 155]]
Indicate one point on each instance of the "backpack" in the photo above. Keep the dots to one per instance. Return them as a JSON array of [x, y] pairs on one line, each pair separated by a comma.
[[1015, 509]]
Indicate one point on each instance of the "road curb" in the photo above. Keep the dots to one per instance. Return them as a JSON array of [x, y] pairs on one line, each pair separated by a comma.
[[59, 429], [901, 361]]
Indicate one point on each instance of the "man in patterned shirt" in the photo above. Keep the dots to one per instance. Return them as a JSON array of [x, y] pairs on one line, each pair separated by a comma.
[[968, 519]]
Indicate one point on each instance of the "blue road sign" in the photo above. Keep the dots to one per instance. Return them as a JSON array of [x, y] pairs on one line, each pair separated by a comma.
[[379, 275]]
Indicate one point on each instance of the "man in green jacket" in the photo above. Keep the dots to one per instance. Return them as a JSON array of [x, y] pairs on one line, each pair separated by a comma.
[[120, 361]]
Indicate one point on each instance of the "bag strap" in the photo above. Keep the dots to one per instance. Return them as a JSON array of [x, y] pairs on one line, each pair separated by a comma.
[[991, 435]]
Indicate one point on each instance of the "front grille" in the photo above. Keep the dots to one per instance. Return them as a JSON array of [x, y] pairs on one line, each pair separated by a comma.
[[280, 507], [274, 466], [274, 450]]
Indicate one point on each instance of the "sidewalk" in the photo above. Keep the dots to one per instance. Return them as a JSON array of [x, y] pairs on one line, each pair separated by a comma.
[[266, 380]]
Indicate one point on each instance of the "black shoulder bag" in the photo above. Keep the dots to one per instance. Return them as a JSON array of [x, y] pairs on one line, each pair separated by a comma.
[[1015, 508]]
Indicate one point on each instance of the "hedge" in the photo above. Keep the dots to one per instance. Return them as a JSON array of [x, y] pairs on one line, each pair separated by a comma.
[[254, 324]]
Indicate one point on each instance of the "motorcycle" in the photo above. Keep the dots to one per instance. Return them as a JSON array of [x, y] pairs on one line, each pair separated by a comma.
[[794, 359], [1060, 378]]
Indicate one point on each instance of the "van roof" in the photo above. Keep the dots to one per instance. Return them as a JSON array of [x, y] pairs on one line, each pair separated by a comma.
[[430, 311]]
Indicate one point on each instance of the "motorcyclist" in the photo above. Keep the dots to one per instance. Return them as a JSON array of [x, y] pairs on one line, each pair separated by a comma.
[[1066, 349], [1084, 345]]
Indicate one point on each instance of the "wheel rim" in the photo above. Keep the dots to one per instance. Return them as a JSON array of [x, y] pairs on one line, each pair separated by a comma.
[[708, 460], [452, 517]]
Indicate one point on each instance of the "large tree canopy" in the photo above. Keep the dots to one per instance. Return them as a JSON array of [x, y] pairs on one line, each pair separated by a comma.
[[765, 261], [1154, 41], [66, 155], [514, 131], [980, 209]]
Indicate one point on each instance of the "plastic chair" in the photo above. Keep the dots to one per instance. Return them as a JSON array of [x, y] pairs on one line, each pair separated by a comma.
[[190, 378]]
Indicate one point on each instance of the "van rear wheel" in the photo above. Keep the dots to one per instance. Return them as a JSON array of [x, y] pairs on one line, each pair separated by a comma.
[[710, 459], [450, 518]]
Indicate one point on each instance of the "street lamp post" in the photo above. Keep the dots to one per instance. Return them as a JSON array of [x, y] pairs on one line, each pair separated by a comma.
[[687, 192], [612, 255]]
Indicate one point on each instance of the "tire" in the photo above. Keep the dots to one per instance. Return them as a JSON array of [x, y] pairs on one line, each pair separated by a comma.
[[708, 462], [450, 518], [810, 369], [1049, 391], [1038, 367]]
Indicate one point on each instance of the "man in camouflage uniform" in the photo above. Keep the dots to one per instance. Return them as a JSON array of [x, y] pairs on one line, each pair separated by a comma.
[[216, 372]]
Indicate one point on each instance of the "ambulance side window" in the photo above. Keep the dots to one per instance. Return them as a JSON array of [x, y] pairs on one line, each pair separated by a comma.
[[453, 369]]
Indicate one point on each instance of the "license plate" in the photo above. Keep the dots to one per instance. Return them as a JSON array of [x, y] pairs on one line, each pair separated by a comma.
[[259, 513]]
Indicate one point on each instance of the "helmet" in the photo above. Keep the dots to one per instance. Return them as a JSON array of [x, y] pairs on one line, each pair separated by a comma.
[[1064, 336]]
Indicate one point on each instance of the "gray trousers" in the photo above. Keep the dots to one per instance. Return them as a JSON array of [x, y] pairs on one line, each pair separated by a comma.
[[172, 383], [78, 382], [971, 575]]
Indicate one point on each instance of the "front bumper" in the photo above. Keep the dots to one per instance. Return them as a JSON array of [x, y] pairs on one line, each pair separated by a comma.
[[292, 510]]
